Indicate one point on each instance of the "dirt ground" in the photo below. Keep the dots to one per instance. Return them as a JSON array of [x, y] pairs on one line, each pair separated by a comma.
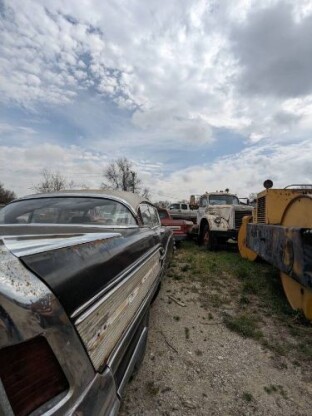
[[194, 365]]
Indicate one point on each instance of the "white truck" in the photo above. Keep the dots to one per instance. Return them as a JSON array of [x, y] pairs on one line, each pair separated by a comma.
[[183, 211], [219, 217]]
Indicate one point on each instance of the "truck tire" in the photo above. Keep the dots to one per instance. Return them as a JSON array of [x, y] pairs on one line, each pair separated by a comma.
[[208, 239]]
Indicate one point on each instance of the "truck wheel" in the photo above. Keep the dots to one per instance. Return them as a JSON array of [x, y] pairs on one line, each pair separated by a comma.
[[208, 239]]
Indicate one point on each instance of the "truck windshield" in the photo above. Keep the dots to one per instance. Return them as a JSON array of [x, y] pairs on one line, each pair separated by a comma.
[[223, 200]]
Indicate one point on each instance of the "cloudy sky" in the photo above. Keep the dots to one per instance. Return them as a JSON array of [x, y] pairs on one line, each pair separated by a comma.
[[199, 95]]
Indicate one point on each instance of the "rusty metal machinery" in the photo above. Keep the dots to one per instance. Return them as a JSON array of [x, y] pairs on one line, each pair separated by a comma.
[[280, 232]]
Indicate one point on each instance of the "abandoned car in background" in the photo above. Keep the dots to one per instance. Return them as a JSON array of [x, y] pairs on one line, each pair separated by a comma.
[[78, 273], [180, 228]]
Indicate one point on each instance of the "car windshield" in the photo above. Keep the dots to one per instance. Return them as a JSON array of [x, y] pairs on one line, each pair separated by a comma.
[[223, 200], [67, 210]]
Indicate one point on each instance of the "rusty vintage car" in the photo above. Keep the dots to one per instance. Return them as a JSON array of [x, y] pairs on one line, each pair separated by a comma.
[[78, 273]]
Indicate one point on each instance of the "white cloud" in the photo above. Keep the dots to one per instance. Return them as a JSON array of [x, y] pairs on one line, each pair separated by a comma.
[[242, 173], [179, 70], [176, 57]]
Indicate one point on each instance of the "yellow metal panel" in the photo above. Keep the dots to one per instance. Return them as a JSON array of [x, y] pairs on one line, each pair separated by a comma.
[[298, 214], [276, 203], [245, 252]]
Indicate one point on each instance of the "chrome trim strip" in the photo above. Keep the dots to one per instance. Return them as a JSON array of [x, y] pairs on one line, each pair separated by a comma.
[[115, 408], [141, 261], [118, 352], [39, 243], [114, 359], [170, 239], [137, 353], [102, 327], [35, 225], [99, 398]]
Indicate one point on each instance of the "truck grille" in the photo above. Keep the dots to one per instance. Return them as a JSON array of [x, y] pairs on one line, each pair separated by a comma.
[[261, 209], [239, 216]]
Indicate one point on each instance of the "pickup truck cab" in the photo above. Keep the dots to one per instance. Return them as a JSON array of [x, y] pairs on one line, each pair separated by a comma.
[[182, 211]]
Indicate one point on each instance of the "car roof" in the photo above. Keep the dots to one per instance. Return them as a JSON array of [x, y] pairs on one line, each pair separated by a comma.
[[131, 199]]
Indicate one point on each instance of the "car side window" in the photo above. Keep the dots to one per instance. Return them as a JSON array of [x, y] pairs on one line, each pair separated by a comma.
[[149, 215], [183, 206], [146, 215], [203, 202], [154, 215]]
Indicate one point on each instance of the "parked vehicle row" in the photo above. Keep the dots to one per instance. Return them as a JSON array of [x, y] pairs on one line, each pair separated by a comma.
[[79, 271]]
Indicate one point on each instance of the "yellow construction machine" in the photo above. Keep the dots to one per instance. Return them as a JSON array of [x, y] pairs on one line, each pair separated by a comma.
[[280, 232]]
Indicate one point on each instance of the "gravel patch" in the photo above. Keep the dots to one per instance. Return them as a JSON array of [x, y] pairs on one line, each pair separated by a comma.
[[194, 365]]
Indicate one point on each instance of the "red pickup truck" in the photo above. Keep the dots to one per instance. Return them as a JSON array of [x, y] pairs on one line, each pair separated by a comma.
[[180, 228]]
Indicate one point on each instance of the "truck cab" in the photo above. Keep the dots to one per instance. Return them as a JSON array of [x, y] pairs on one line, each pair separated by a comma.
[[219, 217]]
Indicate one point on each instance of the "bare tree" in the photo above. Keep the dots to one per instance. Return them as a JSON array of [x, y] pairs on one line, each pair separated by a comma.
[[146, 193], [74, 185], [252, 196], [51, 182], [121, 175], [6, 195]]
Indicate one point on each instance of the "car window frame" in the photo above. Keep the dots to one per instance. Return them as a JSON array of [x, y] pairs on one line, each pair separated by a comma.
[[128, 207], [149, 206]]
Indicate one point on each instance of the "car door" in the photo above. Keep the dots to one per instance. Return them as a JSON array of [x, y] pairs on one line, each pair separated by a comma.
[[163, 235]]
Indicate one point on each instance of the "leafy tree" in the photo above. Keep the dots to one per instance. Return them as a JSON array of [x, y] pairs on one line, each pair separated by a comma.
[[6, 195], [51, 182], [120, 174]]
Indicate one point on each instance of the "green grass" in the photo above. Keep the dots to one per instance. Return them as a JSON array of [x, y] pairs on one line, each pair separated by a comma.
[[272, 388], [248, 397], [152, 389], [252, 295], [244, 325]]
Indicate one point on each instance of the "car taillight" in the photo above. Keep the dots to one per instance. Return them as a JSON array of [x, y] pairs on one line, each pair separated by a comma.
[[31, 375]]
